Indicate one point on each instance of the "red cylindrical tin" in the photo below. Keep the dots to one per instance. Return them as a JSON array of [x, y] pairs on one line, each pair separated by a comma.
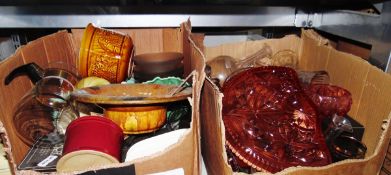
[[90, 141]]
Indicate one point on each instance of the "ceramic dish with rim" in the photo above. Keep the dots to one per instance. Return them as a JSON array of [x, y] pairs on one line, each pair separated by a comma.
[[130, 94], [136, 108]]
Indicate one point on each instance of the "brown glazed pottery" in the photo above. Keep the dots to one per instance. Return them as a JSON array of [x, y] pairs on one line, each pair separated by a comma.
[[163, 64], [160, 62], [130, 94], [270, 122], [142, 76], [137, 119], [136, 108], [105, 53]]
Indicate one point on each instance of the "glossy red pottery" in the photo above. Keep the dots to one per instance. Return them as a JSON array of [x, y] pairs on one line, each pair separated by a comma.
[[90, 141]]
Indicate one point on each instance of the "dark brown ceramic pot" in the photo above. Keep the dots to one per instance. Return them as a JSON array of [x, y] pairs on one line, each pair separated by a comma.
[[162, 64]]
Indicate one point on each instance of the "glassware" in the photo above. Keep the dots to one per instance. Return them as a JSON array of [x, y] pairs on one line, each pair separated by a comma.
[[269, 121], [285, 58], [263, 57], [36, 73], [330, 99], [336, 126], [340, 140], [313, 77], [37, 115], [219, 68], [347, 147], [46, 108]]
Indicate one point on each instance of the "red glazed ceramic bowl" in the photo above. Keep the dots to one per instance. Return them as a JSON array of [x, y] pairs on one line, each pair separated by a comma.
[[90, 141]]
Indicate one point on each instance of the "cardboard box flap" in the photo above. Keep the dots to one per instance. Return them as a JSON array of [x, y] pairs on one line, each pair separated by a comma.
[[54, 48], [198, 64], [212, 127], [314, 51], [375, 106], [366, 83], [151, 40]]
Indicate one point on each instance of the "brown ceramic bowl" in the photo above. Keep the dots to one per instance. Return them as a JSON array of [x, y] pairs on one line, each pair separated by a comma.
[[155, 63], [142, 76], [137, 119]]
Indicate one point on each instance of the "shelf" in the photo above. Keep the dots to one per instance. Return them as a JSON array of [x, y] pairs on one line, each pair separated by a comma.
[[371, 29], [374, 30], [78, 17]]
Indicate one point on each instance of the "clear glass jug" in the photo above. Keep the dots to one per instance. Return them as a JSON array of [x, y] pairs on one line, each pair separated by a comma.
[[46, 108]]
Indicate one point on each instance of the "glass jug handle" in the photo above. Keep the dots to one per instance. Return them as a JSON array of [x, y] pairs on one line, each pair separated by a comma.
[[32, 70]]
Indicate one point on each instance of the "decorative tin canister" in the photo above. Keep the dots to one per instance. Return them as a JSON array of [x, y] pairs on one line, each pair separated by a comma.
[[90, 141]]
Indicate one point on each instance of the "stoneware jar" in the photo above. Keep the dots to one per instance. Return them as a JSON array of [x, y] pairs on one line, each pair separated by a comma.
[[105, 53]]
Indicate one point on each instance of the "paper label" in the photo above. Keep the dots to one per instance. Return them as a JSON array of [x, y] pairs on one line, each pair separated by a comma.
[[46, 161]]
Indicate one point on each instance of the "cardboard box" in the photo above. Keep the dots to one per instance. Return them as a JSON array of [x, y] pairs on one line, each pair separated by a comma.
[[369, 86], [64, 46]]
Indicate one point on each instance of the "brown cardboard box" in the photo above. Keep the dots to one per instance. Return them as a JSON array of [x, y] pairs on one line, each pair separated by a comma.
[[369, 86], [64, 46]]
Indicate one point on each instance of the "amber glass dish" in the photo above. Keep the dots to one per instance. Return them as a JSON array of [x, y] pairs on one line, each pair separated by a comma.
[[270, 124]]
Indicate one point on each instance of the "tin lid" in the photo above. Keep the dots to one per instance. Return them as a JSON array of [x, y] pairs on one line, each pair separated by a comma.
[[94, 121], [83, 160]]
